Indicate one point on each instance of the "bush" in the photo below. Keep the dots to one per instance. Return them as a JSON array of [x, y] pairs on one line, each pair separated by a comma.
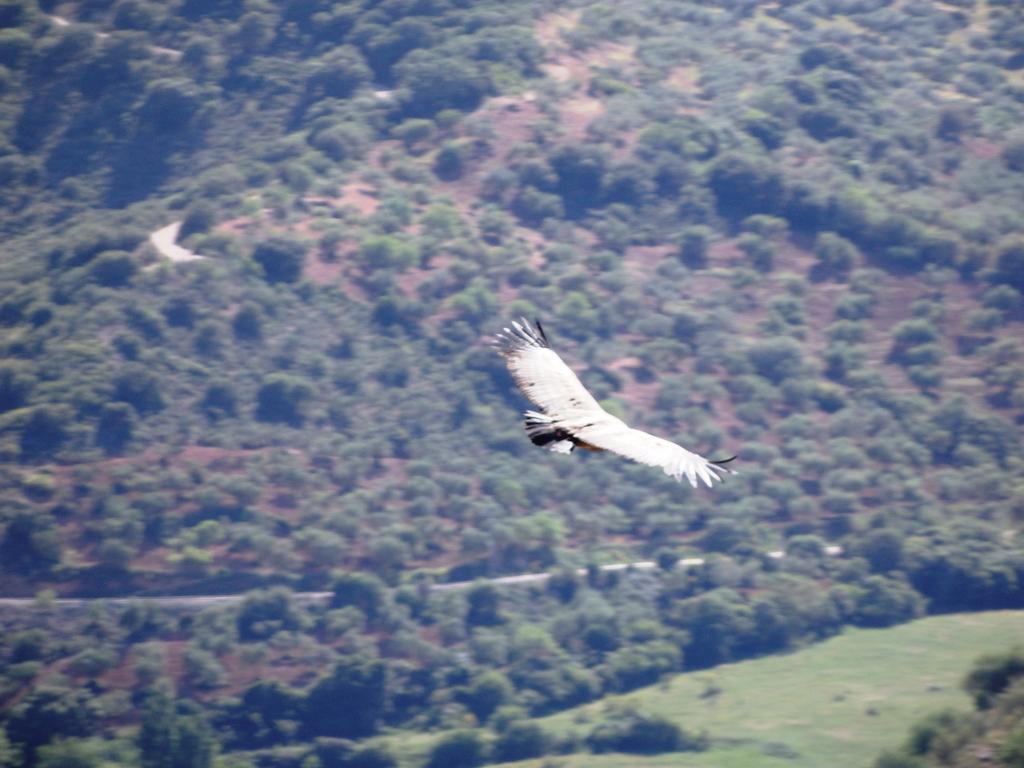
[[462, 749], [45, 431], [450, 161], [743, 186], [521, 741], [140, 388], [1010, 263], [349, 702], [113, 269], [115, 427], [265, 613], [16, 384], [835, 254], [200, 217], [282, 398], [633, 732], [281, 258], [364, 591], [1012, 751], [776, 359], [992, 674]]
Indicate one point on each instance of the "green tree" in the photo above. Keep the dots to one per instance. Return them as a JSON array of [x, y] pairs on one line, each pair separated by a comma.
[[263, 613], [113, 269], [45, 431], [247, 323], [30, 544], [461, 749], [836, 255], [219, 400], [169, 738], [483, 606], [68, 753], [1010, 263], [156, 736], [281, 258], [432, 81], [362, 590], [693, 246], [992, 674], [521, 741], [282, 398], [46, 714], [348, 702], [883, 548], [776, 359], [486, 693], [16, 385], [115, 427], [1012, 751], [743, 185], [200, 217], [386, 252], [140, 388]]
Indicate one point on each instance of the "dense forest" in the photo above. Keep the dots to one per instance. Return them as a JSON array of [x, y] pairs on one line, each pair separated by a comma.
[[790, 231]]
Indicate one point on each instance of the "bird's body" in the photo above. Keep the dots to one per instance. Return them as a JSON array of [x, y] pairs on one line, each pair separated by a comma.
[[571, 418]]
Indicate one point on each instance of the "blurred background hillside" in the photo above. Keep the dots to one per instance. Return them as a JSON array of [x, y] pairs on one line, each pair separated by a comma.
[[790, 231]]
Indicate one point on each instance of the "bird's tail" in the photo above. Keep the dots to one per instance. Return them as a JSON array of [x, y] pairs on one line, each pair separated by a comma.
[[542, 431]]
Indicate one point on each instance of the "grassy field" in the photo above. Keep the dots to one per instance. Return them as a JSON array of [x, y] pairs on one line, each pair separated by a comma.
[[838, 703]]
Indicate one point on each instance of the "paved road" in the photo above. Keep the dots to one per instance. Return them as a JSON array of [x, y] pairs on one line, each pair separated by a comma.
[[206, 601]]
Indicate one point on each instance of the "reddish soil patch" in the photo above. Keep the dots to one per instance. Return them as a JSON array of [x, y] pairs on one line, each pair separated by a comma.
[[322, 272], [411, 279], [983, 148], [359, 196]]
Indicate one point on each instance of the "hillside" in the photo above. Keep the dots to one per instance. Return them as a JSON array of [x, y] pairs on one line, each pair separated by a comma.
[[788, 231], [843, 700]]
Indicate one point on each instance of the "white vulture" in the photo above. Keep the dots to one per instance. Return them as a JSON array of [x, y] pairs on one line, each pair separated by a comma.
[[570, 417]]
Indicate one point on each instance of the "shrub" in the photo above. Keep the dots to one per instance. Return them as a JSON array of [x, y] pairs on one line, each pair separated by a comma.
[[140, 388], [636, 733], [776, 359], [521, 741], [200, 217], [348, 702], [113, 269], [282, 398], [281, 258], [265, 612], [1010, 263], [462, 749], [835, 253], [992, 674], [115, 427], [45, 431]]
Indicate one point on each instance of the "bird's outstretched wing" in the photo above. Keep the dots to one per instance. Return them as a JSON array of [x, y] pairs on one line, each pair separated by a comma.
[[645, 448], [573, 418], [540, 373]]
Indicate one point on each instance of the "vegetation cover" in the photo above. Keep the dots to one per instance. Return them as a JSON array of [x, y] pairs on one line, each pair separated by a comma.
[[788, 230]]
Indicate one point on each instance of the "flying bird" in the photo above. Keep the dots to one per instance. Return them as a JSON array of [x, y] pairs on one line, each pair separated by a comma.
[[571, 418]]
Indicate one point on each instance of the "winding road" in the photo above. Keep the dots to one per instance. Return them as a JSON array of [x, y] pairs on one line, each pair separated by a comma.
[[207, 601]]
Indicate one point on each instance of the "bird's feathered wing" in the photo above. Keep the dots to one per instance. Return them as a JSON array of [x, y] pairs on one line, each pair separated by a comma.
[[572, 417]]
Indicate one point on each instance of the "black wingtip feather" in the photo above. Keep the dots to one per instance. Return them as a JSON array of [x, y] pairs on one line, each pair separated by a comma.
[[540, 328]]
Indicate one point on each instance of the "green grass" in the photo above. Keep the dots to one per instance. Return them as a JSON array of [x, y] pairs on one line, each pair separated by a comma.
[[837, 703]]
